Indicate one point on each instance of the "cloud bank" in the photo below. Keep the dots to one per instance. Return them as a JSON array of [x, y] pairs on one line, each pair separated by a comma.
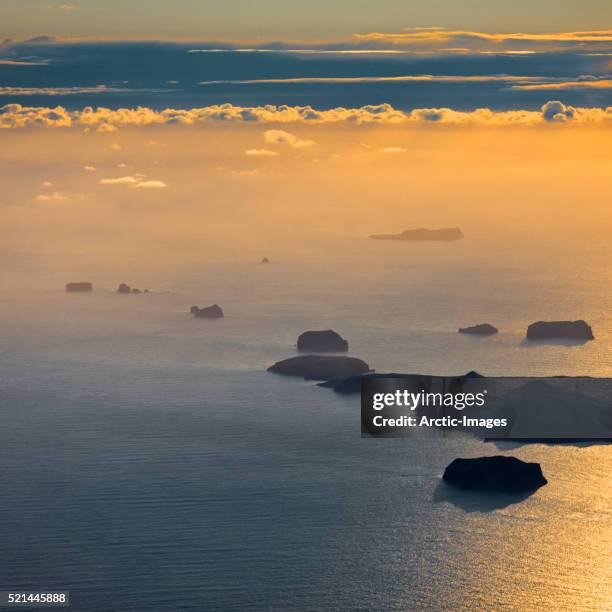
[[16, 116]]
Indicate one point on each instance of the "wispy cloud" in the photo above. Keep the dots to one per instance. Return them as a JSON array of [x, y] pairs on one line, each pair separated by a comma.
[[260, 153], [56, 196], [306, 51], [133, 181], [283, 137], [150, 185], [582, 84], [392, 150], [417, 34], [12, 62], [123, 180], [59, 91], [419, 78], [439, 38]]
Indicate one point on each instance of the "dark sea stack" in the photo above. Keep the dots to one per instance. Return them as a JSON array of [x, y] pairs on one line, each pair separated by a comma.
[[568, 330], [324, 341], [134, 290], [210, 312], [123, 288], [352, 384], [421, 234], [79, 287], [499, 474], [320, 367], [473, 374], [265, 260], [482, 329]]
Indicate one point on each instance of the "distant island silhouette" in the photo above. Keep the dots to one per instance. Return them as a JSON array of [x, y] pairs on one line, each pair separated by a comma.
[[421, 234], [123, 288], [482, 329], [209, 312], [79, 287]]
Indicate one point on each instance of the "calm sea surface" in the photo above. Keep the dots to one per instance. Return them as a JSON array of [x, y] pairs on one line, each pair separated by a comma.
[[148, 461]]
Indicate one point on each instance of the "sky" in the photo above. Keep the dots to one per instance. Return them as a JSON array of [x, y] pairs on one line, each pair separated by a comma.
[[246, 20], [409, 69], [322, 54], [200, 128], [162, 195]]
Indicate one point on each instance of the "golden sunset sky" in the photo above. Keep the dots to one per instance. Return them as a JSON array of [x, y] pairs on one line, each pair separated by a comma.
[[295, 122], [281, 20]]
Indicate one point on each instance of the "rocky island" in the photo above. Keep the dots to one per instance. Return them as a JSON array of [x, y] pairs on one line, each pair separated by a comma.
[[320, 367], [210, 312], [123, 288], [324, 341], [421, 234], [568, 330], [482, 329], [81, 287], [499, 474], [352, 384]]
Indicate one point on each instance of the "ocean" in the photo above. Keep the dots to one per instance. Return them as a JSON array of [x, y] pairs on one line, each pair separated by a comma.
[[149, 462]]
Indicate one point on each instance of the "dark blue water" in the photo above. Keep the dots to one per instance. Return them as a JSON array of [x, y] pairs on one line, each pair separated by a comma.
[[148, 461]]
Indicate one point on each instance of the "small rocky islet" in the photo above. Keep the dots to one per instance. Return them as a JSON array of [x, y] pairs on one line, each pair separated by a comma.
[[126, 289], [320, 367], [482, 329], [497, 474], [209, 312], [560, 330], [79, 287], [322, 341]]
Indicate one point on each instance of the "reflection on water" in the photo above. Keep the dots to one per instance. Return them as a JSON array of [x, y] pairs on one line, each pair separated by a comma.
[[148, 462]]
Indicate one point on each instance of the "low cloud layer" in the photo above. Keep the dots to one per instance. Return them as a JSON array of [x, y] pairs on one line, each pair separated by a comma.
[[15, 116]]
